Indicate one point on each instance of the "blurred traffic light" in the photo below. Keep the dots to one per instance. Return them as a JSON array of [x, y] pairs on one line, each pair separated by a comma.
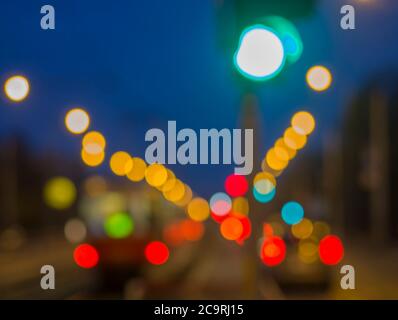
[[236, 17]]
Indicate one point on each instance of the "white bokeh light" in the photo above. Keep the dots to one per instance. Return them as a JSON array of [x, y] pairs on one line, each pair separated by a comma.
[[77, 121], [260, 55], [17, 88], [75, 230]]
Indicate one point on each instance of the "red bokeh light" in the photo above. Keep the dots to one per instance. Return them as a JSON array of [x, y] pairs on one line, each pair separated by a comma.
[[247, 228], [173, 235], [331, 250], [273, 251], [231, 228], [268, 231], [192, 230], [236, 185], [157, 253], [86, 256], [217, 218]]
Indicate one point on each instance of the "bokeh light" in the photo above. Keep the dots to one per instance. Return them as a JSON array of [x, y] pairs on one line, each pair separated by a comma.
[[157, 253], [240, 205], [17, 88], [176, 193], [268, 230], [192, 230], [93, 142], [186, 198], [289, 36], [231, 228], [156, 174], [77, 121], [308, 251], [137, 172], [217, 218], [303, 229], [119, 225], [198, 209], [169, 183], [267, 177], [273, 251], [264, 187], [172, 234], [319, 78], [121, 163], [303, 123], [321, 230], [86, 256], [92, 160], [247, 228], [59, 193], [236, 185], [75, 230], [281, 154], [294, 140], [280, 143], [260, 54], [292, 212], [331, 250], [220, 204], [263, 198], [277, 158]]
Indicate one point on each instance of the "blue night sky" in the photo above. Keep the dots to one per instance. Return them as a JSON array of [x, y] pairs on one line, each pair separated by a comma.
[[136, 64]]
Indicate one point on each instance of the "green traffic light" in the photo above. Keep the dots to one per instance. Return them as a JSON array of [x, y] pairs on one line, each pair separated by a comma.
[[260, 55], [265, 48]]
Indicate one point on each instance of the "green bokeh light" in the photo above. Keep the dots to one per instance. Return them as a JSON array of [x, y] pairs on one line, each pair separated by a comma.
[[119, 225], [261, 59], [259, 40], [289, 35]]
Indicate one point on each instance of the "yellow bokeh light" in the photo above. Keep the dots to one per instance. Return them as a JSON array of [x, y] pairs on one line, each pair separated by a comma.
[[281, 154], [319, 78], [156, 175], [93, 142], [264, 176], [17, 88], [266, 168], [59, 193], [240, 205], [186, 198], [303, 229], [168, 184], [303, 123], [121, 163], [92, 160], [137, 173], [281, 144], [274, 162], [77, 121], [308, 251], [198, 209], [321, 229], [176, 193], [294, 140]]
